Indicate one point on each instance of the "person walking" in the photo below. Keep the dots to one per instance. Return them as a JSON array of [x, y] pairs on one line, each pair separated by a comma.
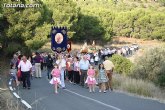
[[102, 78], [91, 81], [109, 66], [25, 67], [49, 64], [69, 69], [13, 73], [84, 65], [38, 61], [76, 69], [13, 60], [56, 78], [62, 66]]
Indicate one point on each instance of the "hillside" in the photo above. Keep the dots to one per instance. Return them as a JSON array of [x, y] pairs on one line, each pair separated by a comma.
[[89, 20], [130, 18]]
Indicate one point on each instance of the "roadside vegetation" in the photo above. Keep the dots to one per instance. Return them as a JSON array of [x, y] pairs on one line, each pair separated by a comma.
[[146, 76], [138, 87]]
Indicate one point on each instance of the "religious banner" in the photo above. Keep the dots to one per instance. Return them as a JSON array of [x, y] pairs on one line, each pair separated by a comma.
[[59, 39]]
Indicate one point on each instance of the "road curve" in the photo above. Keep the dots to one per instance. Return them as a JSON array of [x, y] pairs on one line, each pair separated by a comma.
[[41, 97]]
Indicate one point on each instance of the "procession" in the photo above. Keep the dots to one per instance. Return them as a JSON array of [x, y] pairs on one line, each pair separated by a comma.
[[82, 55], [87, 68]]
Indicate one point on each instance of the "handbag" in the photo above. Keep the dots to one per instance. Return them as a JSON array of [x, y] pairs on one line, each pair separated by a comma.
[[19, 75]]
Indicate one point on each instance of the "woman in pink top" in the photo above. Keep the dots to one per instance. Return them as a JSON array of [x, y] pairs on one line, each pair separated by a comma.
[[56, 77], [91, 81]]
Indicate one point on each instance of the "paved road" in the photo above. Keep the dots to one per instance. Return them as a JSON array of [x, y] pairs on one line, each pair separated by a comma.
[[42, 97]]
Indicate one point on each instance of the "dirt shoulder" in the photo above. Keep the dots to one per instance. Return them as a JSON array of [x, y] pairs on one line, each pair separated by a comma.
[[7, 101], [120, 41]]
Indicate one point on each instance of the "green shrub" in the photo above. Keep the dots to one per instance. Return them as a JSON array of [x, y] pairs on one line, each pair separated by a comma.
[[151, 66], [122, 64]]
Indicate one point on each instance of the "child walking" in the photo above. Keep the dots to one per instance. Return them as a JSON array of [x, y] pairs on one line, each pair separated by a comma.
[[91, 81], [102, 78], [56, 78], [13, 73]]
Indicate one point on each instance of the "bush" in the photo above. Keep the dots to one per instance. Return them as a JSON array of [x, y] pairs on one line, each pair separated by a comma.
[[122, 64], [151, 66]]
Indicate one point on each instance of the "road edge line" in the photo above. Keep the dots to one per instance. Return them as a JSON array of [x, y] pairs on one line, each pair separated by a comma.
[[18, 97], [26, 104]]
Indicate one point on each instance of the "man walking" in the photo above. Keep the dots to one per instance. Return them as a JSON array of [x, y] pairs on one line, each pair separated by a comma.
[[38, 61], [49, 63], [25, 67], [84, 65], [109, 66]]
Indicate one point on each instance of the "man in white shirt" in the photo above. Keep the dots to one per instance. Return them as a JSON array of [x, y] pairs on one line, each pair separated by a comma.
[[25, 66], [84, 65]]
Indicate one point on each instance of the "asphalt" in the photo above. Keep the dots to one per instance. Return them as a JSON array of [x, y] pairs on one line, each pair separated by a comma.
[[41, 96]]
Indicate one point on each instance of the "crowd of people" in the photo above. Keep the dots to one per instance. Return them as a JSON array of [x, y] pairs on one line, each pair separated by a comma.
[[84, 69]]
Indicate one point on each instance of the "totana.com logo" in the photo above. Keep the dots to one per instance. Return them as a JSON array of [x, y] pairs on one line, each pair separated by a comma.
[[21, 5]]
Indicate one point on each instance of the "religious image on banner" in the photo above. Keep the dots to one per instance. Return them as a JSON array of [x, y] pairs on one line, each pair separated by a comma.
[[59, 38]]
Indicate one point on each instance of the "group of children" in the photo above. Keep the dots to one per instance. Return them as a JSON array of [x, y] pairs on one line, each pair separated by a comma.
[[94, 77]]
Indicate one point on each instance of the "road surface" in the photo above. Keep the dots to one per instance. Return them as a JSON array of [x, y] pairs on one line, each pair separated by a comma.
[[41, 97]]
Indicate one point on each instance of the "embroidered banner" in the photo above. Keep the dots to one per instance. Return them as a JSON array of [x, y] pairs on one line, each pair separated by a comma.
[[59, 39]]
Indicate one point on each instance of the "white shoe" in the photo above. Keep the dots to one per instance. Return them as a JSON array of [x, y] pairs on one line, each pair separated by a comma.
[[99, 90]]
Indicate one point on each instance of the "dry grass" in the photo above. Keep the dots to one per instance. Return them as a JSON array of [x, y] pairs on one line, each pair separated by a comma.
[[120, 41], [138, 87]]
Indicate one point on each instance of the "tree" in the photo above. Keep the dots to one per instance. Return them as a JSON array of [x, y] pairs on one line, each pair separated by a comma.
[[158, 26], [123, 24], [21, 22], [20, 25], [63, 13], [89, 29], [142, 27]]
